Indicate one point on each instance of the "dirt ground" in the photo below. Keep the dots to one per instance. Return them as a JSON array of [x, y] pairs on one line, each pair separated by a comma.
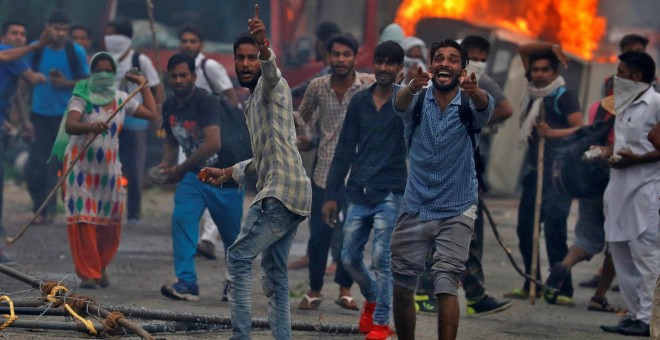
[[144, 263]]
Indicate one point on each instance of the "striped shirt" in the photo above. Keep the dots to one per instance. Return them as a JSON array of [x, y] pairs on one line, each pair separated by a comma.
[[276, 161], [331, 112], [442, 181]]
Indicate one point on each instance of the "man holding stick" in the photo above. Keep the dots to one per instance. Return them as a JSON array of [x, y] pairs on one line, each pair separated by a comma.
[[284, 191], [547, 94]]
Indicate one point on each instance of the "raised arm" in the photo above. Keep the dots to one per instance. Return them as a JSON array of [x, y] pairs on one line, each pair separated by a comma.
[[532, 48], [18, 52], [406, 94]]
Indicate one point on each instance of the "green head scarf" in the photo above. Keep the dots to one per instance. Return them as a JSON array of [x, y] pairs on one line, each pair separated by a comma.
[[98, 89]]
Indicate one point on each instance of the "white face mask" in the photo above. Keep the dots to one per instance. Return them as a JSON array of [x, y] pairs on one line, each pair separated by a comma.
[[478, 67], [117, 44], [625, 92]]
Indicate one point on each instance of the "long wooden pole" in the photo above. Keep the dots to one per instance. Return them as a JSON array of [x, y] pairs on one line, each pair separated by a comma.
[[537, 212], [11, 240]]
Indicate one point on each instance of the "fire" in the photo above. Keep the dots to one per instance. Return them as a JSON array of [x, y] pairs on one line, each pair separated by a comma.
[[571, 23]]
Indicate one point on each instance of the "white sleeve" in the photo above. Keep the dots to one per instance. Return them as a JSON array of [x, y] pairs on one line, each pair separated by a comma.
[[218, 76], [149, 71], [76, 104], [131, 106]]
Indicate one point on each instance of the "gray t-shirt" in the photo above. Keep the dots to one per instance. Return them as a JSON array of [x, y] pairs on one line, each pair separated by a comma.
[[489, 85]]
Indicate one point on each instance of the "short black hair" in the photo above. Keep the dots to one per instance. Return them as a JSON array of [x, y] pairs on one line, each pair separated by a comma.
[[640, 62], [545, 55], [389, 51], [6, 24], [103, 56], [631, 39], [192, 28], [82, 28], [244, 39], [326, 29], [450, 43], [58, 17], [475, 42], [122, 26], [181, 58], [344, 39]]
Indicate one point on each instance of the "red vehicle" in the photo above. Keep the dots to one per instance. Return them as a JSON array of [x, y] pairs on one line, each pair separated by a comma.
[[290, 24]]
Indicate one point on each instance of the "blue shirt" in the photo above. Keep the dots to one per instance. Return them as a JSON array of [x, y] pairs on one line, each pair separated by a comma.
[[372, 146], [48, 100], [442, 181], [9, 73]]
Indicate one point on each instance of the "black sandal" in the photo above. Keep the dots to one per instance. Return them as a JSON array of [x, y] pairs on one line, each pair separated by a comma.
[[600, 304]]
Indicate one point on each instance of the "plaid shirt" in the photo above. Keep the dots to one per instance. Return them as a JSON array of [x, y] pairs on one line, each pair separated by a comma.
[[276, 162], [331, 111]]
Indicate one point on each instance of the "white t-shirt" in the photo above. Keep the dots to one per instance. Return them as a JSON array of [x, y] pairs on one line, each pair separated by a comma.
[[217, 75], [146, 68]]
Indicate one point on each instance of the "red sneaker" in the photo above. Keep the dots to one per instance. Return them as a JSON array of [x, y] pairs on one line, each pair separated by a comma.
[[380, 332], [367, 317]]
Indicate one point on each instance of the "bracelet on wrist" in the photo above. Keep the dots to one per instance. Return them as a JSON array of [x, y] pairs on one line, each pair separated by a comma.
[[411, 92], [263, 44]]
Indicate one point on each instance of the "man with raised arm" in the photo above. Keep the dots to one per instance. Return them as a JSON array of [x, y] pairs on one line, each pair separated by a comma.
[[284, 191]]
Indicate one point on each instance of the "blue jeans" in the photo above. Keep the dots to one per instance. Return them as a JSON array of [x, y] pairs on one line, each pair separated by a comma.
[[190, 199], [269, 228], [360, 220]]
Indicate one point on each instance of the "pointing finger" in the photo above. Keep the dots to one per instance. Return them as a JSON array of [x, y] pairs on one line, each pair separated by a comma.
[[256, 11]]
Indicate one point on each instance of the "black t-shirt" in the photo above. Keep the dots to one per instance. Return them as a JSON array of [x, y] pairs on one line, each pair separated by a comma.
[[558, 107], [187, 123]]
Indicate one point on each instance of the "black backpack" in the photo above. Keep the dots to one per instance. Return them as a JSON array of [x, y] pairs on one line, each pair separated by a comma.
[[234, 135], [71, 57], [571, 174], [465, 114]]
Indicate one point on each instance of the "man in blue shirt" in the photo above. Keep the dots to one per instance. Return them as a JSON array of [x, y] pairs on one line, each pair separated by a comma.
[[12, 67], [372, 146], [64, 62], [440, 201]]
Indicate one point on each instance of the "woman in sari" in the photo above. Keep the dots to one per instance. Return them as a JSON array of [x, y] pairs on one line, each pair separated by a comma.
[[92, 190]]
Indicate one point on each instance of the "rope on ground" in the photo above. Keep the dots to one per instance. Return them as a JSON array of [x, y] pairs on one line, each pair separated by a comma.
[[111, 323], [11, 317], [52, 297]]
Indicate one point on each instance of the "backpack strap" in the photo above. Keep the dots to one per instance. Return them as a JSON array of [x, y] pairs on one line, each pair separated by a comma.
[[467, 118], [36, 58], [206, 76], [417, 114], [72, 58], [135, 61]]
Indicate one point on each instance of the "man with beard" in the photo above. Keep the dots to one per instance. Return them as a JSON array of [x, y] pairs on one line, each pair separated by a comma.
[[133, 138], [328, 96], [191, 119], [284, 192], [65, 63], [371, 145], [440, 201], [631, 198], [552, 112]]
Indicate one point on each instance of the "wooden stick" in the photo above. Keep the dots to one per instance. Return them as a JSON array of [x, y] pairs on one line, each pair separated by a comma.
[[11, 240], [537, 212]]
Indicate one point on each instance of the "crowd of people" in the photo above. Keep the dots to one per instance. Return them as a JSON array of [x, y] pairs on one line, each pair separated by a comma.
[[399, 151]]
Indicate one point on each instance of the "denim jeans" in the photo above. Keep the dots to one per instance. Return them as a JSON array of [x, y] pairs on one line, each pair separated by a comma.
[[190, 199], [41, 174], [268, 228], [360, 220], [133, 156]]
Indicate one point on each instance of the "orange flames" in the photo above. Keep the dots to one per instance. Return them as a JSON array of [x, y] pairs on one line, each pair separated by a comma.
[[571, 23]]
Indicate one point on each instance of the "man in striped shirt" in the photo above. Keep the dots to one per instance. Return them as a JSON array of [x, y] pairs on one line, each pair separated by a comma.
[[285, 193]]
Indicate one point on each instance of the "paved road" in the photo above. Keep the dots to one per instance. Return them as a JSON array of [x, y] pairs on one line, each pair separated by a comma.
[[144, 263]]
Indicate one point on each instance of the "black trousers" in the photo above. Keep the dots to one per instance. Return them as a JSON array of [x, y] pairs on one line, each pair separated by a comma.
[[40, 173]]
